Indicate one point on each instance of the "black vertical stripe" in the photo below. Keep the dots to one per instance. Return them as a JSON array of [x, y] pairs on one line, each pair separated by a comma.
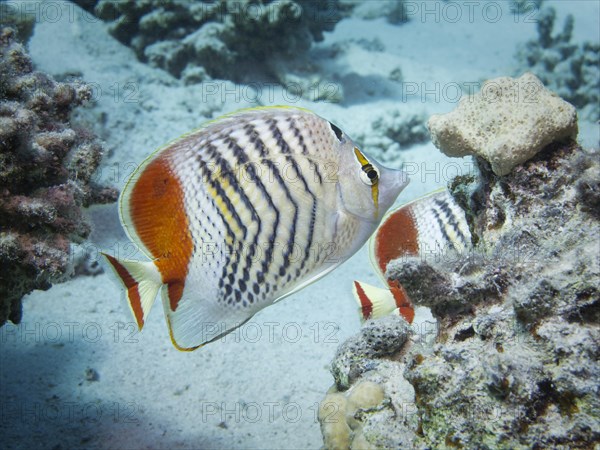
[[451, 218], [206, 174], [260, 146], [305, 151], [255, 139], [292, 239], [311, 227], [441, 224], [242, 159], [226, 173]]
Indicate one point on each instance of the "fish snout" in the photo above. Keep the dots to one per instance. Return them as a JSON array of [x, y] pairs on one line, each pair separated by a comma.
[[392, 182]]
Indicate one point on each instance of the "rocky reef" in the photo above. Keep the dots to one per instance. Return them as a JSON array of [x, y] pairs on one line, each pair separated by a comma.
[[237, 40], [512, 360], [571, 70], [47, 170]]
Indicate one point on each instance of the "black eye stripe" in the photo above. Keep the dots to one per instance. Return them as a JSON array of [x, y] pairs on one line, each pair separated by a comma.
[[368, 168], [337, 131], [371, 172]]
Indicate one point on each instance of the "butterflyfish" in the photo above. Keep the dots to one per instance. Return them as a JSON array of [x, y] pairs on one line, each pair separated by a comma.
[[431, 224], [242, 212]]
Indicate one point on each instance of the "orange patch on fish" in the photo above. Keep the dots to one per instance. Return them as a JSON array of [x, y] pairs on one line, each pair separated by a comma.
[[396, 237], [158, 215]]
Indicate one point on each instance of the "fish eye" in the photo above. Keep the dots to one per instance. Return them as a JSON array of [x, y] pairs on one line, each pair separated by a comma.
[[369, 175], [337, 131]]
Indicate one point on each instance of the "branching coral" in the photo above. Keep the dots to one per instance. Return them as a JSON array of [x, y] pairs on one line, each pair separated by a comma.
[[46, 177], [394, 11], [571, 70], [22, 23], [228, 39], [524, 6], [393, 132]]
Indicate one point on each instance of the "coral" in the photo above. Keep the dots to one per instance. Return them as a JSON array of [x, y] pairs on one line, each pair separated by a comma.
[[394, 11], [506, 123], [46, 177], [393, 132], [340, 414], [515, 360], [365, 396], [232, 39], [332, 416], [370, 395], [12, 17], [525, 6], [571, 70], [375, 340]]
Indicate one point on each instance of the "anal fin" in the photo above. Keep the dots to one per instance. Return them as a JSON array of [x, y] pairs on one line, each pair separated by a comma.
[[197, 319]]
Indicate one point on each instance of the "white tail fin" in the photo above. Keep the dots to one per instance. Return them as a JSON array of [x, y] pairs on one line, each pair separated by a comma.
[[374, 302], [142, 280]]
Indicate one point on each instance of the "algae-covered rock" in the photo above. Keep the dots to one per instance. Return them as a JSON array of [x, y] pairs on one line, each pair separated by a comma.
[[46, 177], [359, 353], [515, 363], [541, 264]]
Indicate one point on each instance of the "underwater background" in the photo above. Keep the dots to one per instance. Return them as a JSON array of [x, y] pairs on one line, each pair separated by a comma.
[[74, 372]]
